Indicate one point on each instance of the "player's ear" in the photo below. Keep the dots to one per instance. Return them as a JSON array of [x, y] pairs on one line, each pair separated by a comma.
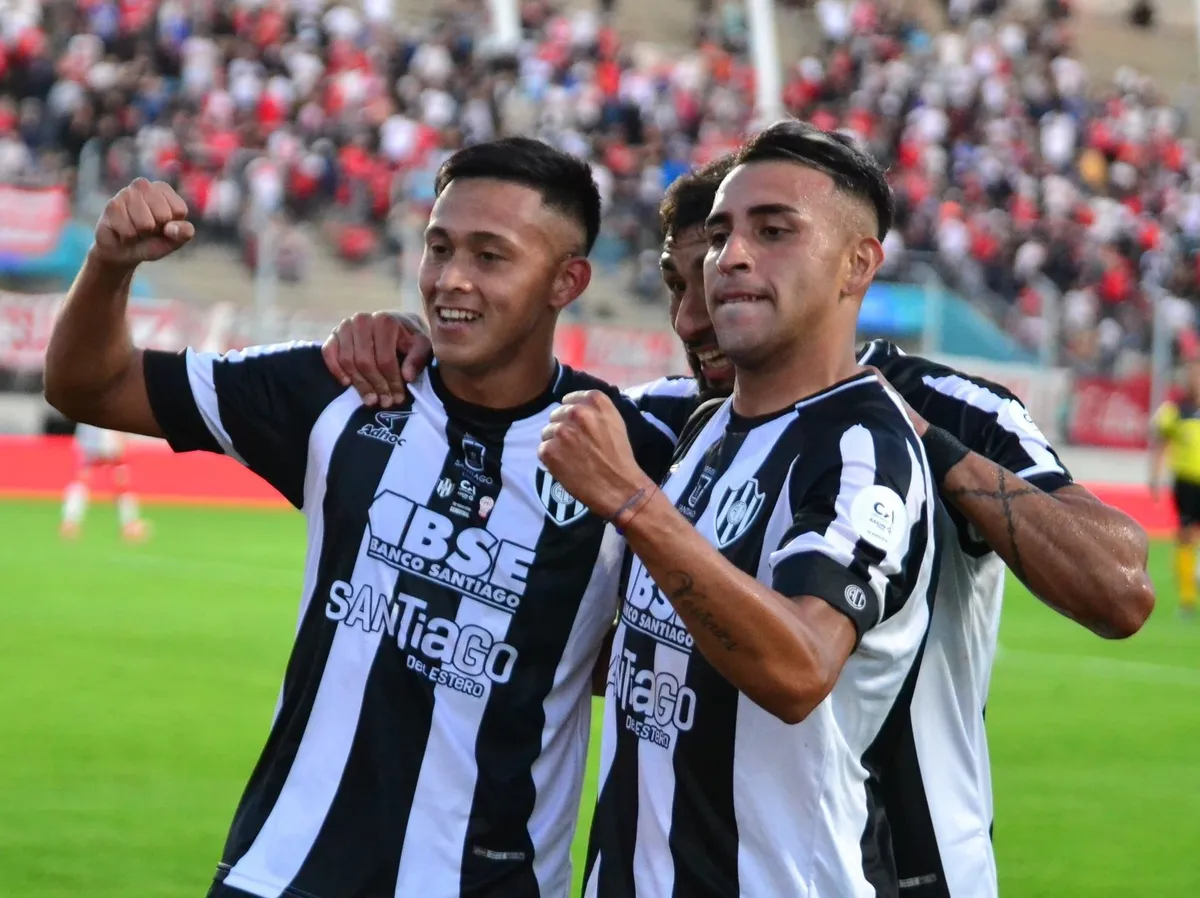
[[866, 255], [572, 279]]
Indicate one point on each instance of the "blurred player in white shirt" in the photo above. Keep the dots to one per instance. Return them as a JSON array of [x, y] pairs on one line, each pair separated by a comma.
[[101, 449]]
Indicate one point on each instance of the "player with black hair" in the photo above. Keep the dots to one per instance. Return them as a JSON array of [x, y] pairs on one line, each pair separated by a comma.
[[432, 727], [1009, 490], [784, 570], [684, 208]]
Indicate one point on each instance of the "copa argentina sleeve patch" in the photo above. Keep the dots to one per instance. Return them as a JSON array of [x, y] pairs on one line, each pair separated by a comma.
[[879, 517]]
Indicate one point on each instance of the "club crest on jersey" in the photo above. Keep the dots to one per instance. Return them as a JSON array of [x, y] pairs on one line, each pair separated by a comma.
[[736, 511], [387, 427], [562, 507]]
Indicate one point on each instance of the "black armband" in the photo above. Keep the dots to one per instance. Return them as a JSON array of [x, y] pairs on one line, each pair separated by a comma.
[[943, 450]]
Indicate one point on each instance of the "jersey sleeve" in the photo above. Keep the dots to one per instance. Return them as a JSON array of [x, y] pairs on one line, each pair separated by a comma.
[[1165, 420], [667, 403], [860, 533], [984, 416], [258, 406], [653, 444]]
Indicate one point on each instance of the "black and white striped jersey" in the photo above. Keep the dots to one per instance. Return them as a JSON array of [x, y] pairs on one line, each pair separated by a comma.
[[938, 793], [432, 727], [703, 793]]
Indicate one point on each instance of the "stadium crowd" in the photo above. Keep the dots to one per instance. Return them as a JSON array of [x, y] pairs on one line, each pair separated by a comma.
[[1016, 178]]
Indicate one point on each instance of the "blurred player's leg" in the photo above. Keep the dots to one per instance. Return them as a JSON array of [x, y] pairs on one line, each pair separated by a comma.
[[1185, 575], [75, 501], [1187, 504], [133, 528]]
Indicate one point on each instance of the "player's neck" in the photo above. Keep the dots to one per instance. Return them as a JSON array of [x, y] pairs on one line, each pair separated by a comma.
[[509, 386], [806, 369]]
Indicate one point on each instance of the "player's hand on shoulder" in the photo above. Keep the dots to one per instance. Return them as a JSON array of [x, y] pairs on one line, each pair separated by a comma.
[[144, 222], [363, 351], [918, 422], [586, 447]]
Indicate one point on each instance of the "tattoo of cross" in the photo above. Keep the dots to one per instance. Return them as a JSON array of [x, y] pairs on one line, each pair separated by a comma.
[[1005, 496]]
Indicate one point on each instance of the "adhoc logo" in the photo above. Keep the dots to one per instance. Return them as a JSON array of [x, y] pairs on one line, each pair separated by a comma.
[[562, 507], [426, 544], [387, 427], [655, 703], [458, 657], [647, 610], [736, 511]]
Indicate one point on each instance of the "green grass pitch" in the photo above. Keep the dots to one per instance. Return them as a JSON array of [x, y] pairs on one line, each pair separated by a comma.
[[137, 685]]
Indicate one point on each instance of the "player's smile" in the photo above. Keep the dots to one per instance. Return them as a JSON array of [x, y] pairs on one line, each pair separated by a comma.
[[455, 322], [714, 364]]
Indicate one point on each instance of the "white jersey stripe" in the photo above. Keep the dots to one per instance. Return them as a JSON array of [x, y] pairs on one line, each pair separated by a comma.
[[292, 827], [557, 785], [200, 377], [431, 860], [656, 792]]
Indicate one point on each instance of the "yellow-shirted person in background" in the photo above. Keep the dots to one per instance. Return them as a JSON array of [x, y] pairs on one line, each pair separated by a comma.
[[1177, 439]]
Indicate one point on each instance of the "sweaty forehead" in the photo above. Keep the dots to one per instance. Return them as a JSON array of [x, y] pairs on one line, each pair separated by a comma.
[[772, 183]]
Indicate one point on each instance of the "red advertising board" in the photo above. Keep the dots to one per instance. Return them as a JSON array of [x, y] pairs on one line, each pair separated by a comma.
[[624, 356], [32, 219], [27, 319], [1111, 413]]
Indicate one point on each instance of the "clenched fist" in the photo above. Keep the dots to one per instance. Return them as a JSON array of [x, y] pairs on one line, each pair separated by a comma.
[[586, 447], [143, 223]]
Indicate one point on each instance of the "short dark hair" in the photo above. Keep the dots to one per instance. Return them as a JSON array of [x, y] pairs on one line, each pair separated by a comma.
[[689, 199], [854, 171], [564, 181]]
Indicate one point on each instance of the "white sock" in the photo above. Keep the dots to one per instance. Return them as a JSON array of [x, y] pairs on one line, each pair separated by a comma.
[[127, 509], [75, 503]]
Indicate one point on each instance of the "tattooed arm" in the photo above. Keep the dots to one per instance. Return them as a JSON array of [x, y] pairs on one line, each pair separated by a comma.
[[784, 653], [1081, 557]]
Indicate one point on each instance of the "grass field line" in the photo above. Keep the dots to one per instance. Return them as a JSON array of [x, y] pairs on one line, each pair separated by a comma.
[[1118, 668]]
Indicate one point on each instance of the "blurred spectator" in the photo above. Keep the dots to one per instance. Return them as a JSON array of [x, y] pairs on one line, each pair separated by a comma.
[[1025, 186]]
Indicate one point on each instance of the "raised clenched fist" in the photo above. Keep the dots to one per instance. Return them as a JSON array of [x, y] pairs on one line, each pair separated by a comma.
[[143, 223]]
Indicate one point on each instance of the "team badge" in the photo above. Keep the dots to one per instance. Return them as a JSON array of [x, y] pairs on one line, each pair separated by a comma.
[[737, 510], [562, 507]]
